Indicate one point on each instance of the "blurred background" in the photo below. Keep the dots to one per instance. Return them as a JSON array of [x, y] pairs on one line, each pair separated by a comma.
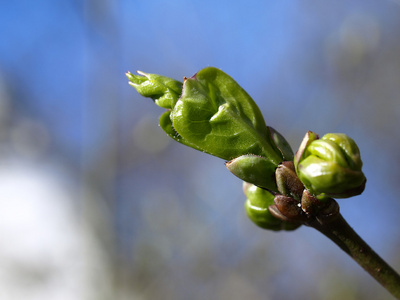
[[97, 203]]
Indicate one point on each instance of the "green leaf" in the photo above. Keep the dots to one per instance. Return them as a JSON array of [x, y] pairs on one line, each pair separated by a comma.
[[163, 90], [166, 125], [218, 116]]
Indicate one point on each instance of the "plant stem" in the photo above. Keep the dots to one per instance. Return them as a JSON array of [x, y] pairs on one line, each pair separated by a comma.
[[340, 232]]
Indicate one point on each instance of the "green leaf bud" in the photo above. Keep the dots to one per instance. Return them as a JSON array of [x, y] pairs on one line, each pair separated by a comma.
[[257, 208], [163, 90], [218, 116], [330, 166], [210, 112], [254, 169]]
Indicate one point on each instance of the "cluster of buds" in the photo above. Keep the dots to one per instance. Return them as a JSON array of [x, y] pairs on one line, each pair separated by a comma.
[[290, 207], [295, 203], [212, 113], [322, 169]]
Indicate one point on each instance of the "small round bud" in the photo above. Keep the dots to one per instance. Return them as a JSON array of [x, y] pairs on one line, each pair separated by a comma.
[[330, 166], [254, 169], [289, 207], [257, 209]]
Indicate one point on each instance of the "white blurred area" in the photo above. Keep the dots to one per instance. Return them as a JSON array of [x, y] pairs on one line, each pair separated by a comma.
[[49, 248]]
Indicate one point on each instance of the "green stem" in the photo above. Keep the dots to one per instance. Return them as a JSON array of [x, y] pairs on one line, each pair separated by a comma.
[[340, 232]]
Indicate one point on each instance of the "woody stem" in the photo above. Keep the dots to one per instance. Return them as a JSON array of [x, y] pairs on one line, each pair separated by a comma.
[[340, 232]]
